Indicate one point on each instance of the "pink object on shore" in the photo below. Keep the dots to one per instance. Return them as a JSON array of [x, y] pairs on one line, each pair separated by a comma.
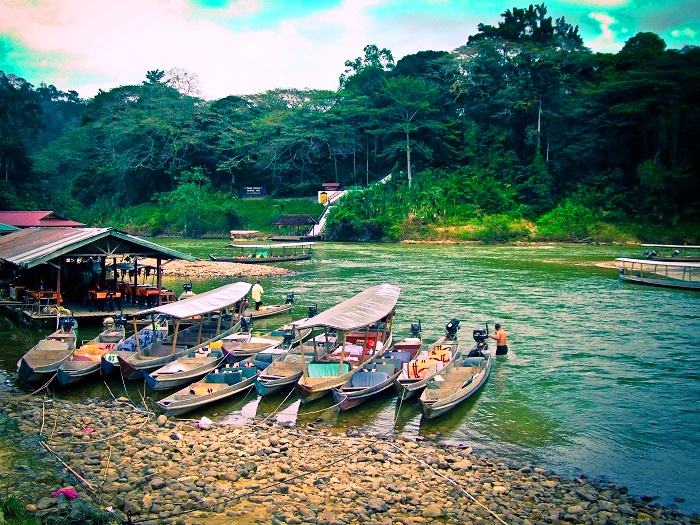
[[68, 493]]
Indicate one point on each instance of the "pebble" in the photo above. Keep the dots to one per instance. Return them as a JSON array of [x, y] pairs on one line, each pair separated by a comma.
[[156, 468]]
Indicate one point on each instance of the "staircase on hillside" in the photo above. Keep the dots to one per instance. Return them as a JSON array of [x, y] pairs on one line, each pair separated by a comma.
[[317, 229]]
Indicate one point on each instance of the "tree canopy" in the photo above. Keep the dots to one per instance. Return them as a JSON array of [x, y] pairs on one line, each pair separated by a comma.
[[521, 121]]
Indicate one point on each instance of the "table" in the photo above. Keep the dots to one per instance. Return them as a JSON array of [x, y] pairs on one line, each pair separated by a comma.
[[43, 297], [104, 299]]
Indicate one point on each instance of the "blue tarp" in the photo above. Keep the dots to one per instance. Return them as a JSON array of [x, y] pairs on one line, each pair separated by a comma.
[[365, 379], [318, 370]]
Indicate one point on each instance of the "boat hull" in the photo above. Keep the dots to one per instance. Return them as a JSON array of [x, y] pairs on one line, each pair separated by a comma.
[[42, 361], [433, 406], [409, 387], [136, 365], [347, 400], [210, 390], [260, 260], [164, 380], [73, 371]]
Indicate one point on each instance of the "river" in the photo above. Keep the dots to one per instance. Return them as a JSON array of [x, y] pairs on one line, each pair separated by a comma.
[[602, 378]]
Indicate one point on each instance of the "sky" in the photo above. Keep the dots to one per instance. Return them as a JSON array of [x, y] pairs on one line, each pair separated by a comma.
[[237, 47]]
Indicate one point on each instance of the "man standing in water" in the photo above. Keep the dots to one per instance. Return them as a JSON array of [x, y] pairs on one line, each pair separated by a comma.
[[501, 338], [257, 294]]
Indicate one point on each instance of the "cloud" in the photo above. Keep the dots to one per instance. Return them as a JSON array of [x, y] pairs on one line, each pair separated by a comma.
[[597, 3], [685, 32], [120, 41], [609, 31]]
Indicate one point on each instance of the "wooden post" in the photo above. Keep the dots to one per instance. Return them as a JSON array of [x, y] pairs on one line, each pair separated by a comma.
[[342, 354], [159, 280], [177, 330]]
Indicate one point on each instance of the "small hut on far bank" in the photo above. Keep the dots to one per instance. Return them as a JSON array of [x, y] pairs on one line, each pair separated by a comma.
[[293, 227]]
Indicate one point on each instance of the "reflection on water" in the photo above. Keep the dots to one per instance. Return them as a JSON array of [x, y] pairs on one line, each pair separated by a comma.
[[602, 378]]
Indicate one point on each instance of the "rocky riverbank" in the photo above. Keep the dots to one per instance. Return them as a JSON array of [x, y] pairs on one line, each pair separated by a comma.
[[159, 470]]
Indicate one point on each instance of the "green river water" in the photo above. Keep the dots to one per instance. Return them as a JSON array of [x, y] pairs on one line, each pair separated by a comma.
[[602, 378]]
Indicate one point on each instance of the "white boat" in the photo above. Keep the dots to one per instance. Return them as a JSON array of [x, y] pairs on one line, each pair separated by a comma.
[[215, 313], [362, 326], [266, 253], [671, 274]]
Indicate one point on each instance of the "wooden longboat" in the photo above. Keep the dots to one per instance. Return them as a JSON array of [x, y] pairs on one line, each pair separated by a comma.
[[363, 325], [184, 370], [87, 359], [216, 317], [218, 384], [157, 329], [268, 310], [42, 360], [458, 380], [377, 375], [415, 374], [266, 253], [670, 274], [284, 372], [240, 346]]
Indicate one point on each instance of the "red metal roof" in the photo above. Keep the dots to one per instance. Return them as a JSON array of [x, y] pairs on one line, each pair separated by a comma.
[[36, 219]]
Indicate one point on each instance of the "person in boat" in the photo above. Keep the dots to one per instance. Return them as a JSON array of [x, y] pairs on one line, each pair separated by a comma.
[[501, 338], [257, 293]]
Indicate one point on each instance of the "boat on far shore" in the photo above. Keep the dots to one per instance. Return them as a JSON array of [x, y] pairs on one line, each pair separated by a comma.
[[671, 252], [266, 253], [670, 274]]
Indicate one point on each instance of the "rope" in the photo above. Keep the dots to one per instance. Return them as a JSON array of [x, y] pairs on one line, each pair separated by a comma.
[[276, 409], [447, 478]]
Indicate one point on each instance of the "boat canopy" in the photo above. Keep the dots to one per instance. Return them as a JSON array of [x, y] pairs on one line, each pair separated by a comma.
[[654, 262], [367, 307], [687, 246], [202, 303]]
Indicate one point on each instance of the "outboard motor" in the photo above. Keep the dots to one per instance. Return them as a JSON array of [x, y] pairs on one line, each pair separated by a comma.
[[187, 287], [246, 324], [451, 328], [480, 337], [416, 329], [288, 337], [290, 298], [120, 320], [67, 324], [313, 311]]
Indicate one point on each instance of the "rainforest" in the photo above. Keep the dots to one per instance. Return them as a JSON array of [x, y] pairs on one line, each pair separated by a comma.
[[522, 133]]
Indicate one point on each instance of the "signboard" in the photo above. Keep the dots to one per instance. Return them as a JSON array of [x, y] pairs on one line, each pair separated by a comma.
[[252, 192]]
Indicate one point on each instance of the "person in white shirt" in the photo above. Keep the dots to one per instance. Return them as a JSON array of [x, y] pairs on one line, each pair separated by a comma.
[[257, 294]]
